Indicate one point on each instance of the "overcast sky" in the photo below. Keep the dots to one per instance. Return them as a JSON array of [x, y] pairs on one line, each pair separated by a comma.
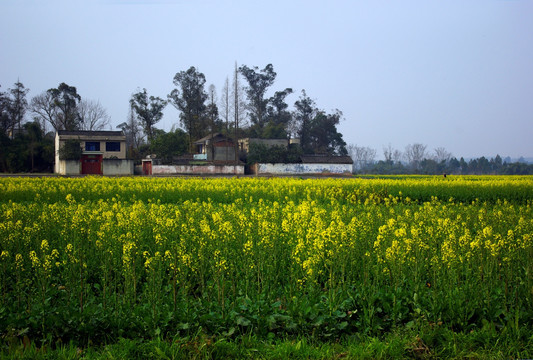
[[455, 74]]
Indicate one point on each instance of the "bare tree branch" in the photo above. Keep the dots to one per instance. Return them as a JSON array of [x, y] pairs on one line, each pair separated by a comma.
[[93, 116]]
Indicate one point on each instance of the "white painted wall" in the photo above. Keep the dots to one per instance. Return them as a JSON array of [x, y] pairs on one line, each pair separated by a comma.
[[299, 169], [68, 167], [117, 167], [198, 169]]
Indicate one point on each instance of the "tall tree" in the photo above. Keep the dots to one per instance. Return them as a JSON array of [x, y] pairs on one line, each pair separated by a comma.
[[225, 105], [496, 163], [5, 141], [258, 83], [92, 116], [212, 115], [325, 139], [236, 109], [212, 110], [387, 153], [238, 101], [397, 156], [65, 99], [362, 156], [392, 156], [415, 153], [133, 132], [33, 137], [149, 111], [13, 105], [305, 111], [18, 105], [278, 116], [442, 155], [5, 122], [45, 111], [190, 100], [317, 129], [226, 109]]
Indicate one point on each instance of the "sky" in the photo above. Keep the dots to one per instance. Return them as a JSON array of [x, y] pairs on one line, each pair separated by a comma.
[[454, 74]]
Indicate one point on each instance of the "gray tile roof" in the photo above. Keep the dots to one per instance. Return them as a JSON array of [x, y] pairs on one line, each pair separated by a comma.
[[90, 133]]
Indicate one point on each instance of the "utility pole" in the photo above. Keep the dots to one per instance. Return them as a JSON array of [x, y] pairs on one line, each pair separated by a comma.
[[225, 99], [236, 112]]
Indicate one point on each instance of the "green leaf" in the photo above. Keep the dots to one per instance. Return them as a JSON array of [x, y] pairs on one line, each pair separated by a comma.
[[319, 321], [230, 332], [183, 326], [242, 321], [342, 325]]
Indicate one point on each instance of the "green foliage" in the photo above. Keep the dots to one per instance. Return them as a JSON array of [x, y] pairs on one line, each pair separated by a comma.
[[4, 115], [171, 144], [71, 150], [29, 151], [517, 168], [13, 105], [278, 116], [422, 343], [258, 83], [479, 166], [262, 153], [149, 111], [293, 154], [317, 129], [189, 98], [305, 111], [64, 100], [273, 131], [5, 151], [323, 135]]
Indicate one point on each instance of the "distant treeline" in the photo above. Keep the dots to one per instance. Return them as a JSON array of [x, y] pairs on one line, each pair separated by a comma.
[[479, 166], [416, 159]]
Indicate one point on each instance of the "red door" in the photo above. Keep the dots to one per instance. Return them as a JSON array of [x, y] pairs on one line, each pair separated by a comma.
[[147, 168], [91, 164]]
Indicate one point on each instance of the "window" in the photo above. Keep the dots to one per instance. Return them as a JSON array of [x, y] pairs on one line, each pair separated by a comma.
[[92, 146], [112, 146]]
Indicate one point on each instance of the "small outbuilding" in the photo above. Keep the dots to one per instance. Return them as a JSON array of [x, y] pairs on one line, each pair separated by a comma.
[[215, 147]]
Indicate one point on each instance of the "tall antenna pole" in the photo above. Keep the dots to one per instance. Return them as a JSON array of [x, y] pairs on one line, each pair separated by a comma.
[[236, 112]]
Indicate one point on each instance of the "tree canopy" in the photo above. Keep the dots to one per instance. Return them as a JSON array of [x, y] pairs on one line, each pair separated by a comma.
[[65, 101], [189, 98], [305, 111], [169, 145], [64, 109], [258, 83], [13, 106], [149, 111], [323, 135]]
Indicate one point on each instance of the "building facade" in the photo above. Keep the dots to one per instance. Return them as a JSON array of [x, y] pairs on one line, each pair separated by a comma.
[[102, 153], [215, 147]]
